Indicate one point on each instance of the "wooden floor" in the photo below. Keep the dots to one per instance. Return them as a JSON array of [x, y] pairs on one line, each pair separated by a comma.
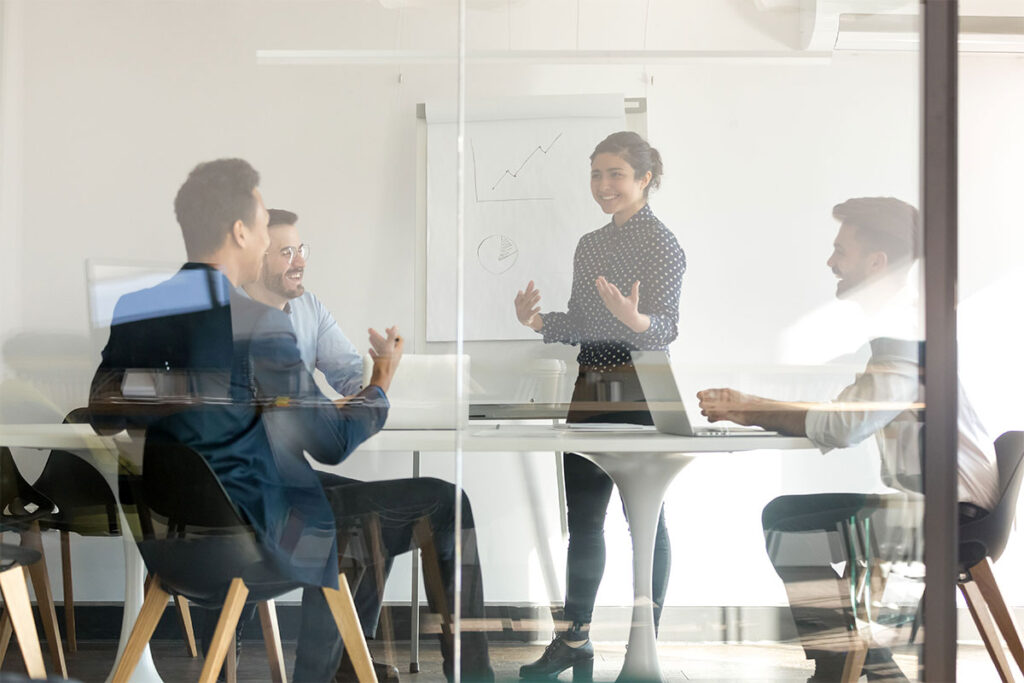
[[774, 662]]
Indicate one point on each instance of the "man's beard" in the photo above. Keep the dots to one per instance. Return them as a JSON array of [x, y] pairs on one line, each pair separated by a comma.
[[280, 286]]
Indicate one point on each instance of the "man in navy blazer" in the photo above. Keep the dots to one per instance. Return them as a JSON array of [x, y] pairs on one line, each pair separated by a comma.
[[234, 389]]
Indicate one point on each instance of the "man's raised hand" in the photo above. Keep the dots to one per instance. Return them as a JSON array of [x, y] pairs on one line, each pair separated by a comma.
[[386, 352]]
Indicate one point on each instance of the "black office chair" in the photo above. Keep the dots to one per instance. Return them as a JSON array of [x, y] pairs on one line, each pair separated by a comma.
[[21, 509], [17, 616], [981, 543], [85, 506], [196, 544]]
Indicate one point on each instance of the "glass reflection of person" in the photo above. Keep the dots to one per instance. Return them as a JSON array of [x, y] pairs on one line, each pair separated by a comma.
[[625, 296], [873, 255], [252, 409]]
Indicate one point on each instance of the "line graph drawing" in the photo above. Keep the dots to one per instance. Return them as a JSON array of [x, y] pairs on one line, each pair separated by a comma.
[[522, 164], [515, 174], [509, 173]]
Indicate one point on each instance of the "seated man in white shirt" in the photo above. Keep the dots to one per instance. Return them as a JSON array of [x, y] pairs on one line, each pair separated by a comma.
[[877, 245]]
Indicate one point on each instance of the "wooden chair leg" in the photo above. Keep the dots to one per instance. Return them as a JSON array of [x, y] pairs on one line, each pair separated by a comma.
[[424, 536], [19, 610], [272, 641], [152, 609], [32, 538], [854, 663], [377, 552], [986, 580], [185, 619], [224, 635], [987, 629], [5, 634], [231, 665], [69, 591], [344, 611]]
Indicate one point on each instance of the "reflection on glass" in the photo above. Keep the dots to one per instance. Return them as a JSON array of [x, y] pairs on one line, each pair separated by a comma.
[[767, 114], [833, 549], [221, 378]]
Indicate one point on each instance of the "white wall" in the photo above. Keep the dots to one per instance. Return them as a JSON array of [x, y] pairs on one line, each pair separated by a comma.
[[120, 99]]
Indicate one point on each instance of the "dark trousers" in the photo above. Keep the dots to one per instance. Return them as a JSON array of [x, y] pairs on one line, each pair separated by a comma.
[[602, 397], [813, 541], [398, 505], [806, 536], [587, 492]]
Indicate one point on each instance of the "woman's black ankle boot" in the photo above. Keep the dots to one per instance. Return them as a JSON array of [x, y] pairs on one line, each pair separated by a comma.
[[560, 656]]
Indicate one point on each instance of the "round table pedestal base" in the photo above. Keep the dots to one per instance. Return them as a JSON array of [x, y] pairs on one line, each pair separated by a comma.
[[643, 479]]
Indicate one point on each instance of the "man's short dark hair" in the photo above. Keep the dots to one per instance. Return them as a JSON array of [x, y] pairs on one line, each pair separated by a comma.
[[884, 224], [214, 196], [282, 217]]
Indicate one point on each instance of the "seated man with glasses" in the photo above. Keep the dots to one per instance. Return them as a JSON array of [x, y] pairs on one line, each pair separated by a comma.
[[322, 344]]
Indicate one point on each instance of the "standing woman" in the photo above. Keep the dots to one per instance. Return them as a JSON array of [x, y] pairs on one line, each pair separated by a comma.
[[625, 297]]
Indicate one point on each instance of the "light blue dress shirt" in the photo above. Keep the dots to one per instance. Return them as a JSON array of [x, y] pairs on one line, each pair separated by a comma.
[[323, 345]]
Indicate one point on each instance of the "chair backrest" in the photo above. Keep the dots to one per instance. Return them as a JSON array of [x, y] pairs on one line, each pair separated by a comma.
[[9, 479], [422, 393], [987, 537], [179, 485], [193, 537], [1010, 456], [19, 502], [85, 503]]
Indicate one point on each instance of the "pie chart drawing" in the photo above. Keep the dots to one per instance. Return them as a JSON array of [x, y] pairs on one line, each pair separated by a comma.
[[497, 253]]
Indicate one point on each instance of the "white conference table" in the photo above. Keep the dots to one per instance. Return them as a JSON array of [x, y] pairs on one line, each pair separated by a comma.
[[641, 463]]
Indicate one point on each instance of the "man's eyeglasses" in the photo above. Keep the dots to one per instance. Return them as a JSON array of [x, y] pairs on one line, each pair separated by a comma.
[[290, 252]]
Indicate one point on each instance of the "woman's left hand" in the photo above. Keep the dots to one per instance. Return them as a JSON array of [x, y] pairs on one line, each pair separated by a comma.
[[625, 308]]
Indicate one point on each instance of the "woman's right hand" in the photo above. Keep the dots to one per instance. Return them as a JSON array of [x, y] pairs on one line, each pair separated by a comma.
[[528, 307]]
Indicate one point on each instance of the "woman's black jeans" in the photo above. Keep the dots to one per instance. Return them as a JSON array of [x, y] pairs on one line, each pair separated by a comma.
[[613, 396]]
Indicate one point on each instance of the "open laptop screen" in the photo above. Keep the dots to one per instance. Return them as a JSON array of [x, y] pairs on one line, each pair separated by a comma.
[[666, 403]]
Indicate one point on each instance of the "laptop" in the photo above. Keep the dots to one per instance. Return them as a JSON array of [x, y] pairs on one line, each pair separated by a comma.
[[666, 404], [423, 392]]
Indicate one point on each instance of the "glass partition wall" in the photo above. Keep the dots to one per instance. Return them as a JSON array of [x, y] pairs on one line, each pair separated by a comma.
[[108, 106], [598, 229], [709, 217]]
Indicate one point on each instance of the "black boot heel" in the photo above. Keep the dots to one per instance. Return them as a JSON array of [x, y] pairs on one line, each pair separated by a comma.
[[583, 672], [557, 658]]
